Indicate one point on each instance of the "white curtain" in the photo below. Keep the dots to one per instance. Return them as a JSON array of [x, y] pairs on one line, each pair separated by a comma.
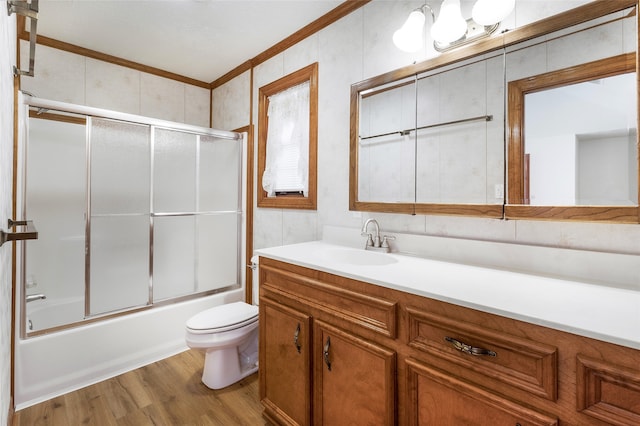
[[287, 156]]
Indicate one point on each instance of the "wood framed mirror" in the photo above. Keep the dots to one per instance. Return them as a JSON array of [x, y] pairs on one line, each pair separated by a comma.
[[597, 15], [580, 161]]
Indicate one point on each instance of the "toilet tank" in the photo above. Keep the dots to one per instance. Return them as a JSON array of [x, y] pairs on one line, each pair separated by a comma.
[[255, 279]]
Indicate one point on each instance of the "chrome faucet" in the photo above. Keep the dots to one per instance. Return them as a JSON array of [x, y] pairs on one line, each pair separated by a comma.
[[32, 297], [373, 241]]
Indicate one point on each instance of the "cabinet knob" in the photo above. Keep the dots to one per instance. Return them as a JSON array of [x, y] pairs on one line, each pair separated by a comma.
[[296, 336], [325, 353]]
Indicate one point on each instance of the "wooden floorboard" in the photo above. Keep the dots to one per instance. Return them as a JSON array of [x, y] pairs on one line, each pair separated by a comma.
[[168, 392]]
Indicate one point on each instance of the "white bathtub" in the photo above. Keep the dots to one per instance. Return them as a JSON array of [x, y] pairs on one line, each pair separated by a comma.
[[56, 363], [48, 313]]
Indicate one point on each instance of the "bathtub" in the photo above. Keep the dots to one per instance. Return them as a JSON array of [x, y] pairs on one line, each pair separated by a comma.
[[53, 364], [49, 313]]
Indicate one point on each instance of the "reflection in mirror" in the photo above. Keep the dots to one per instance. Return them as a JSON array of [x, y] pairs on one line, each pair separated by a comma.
[[572, 122], [386, 148], [460, 145], [436, 138], [580, 143]]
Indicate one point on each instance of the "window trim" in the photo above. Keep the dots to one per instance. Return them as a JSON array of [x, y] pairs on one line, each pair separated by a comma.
[[309, 202]]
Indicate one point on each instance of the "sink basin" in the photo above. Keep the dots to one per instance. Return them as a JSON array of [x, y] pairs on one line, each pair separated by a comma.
[[358, 257]]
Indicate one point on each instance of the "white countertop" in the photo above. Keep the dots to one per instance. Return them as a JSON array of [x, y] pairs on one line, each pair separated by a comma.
[[604, 313]]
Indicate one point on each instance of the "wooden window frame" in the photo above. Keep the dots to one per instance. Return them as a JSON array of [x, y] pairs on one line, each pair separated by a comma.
[[308, 202]]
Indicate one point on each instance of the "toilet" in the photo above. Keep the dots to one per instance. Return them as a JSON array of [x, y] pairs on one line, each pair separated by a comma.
[[229, 336]]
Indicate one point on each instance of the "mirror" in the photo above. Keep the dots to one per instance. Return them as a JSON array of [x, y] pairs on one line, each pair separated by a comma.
[[572, 124], [430, 138], [578, 138], [433, 142]]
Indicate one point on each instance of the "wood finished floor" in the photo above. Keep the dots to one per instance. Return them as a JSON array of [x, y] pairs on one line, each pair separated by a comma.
[[168, 392]]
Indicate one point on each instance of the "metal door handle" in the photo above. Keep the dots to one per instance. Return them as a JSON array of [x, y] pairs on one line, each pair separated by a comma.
[[325, 353], [296, 335], [468, 349]]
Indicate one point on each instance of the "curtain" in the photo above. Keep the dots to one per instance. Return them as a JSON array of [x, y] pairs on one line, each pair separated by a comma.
[[287, 153]]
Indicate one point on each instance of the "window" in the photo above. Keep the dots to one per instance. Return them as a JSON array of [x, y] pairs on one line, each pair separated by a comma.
[[287, 141]]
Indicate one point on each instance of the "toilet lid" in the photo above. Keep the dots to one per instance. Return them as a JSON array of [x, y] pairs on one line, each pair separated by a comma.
[[224, 317]]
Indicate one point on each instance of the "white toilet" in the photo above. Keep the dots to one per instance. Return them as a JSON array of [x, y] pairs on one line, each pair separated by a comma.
[[229, 335]]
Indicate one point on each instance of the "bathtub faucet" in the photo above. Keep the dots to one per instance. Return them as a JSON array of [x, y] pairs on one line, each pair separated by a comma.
[[32, 297]]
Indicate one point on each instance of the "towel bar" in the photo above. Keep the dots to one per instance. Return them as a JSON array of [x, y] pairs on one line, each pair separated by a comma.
[[31, 233]]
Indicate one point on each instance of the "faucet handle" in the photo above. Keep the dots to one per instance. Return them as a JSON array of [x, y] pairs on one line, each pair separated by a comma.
[[385, 243], [369, 242]]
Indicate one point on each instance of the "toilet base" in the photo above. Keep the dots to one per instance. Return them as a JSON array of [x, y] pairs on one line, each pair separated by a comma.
[[221, 369], [226, 366]]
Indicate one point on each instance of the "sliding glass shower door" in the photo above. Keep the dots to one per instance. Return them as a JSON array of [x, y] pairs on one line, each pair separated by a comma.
[[131, 212], [119, 168]]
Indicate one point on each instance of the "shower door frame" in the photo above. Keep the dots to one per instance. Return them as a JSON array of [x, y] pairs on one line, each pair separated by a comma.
[[26, 101]]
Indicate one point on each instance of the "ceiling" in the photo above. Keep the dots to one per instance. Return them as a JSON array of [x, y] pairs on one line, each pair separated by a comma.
[[200, 39]]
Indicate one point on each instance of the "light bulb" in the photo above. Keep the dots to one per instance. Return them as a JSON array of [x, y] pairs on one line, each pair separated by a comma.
[[450, 25], [409, 37], [489, 12]]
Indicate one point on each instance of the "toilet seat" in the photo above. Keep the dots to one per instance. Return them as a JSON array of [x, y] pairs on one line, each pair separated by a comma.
[[223, 318]]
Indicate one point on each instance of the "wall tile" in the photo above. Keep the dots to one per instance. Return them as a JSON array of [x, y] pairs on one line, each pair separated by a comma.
[[301, 54], [267, 228], [299, 226], [112, 87], [231, 103], [196, 106], [59, 75], [584, 236], [161, 98]]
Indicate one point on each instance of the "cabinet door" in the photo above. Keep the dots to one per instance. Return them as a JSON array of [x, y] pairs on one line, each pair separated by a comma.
[[285, 365], [354, 379], [438, 398]]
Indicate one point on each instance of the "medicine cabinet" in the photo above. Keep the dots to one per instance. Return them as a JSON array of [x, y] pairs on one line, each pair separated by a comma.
[[447, 136]]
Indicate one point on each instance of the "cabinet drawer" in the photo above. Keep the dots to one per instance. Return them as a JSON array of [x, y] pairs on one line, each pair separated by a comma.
[[372, 312], [437, 398], [608, 392], [518, 362]]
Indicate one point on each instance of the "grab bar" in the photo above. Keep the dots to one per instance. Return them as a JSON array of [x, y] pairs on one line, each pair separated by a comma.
[[31, 233], [28, 9]]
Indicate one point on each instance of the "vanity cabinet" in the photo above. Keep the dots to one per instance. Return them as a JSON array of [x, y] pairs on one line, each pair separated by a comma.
[[335, 350], [354, 380], [323, 342], [285, 350]]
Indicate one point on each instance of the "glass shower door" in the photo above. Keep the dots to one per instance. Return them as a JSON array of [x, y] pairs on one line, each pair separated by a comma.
[[220, 208], [55, 199], [119, 237]]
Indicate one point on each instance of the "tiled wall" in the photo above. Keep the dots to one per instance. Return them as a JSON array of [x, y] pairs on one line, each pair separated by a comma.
[[67, 77], [353, 49], [7, 55]]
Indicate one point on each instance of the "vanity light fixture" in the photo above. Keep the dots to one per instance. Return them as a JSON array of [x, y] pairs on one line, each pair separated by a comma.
[[450, 29]]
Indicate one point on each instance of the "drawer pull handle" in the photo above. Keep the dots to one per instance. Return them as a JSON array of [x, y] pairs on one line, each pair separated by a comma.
[[468, 349], [296, 335], [325, 353]]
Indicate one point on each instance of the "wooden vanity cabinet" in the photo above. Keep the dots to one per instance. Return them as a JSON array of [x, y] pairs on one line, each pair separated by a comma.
[[368, 355], [354, 379], [285, 351], [323, 342]]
